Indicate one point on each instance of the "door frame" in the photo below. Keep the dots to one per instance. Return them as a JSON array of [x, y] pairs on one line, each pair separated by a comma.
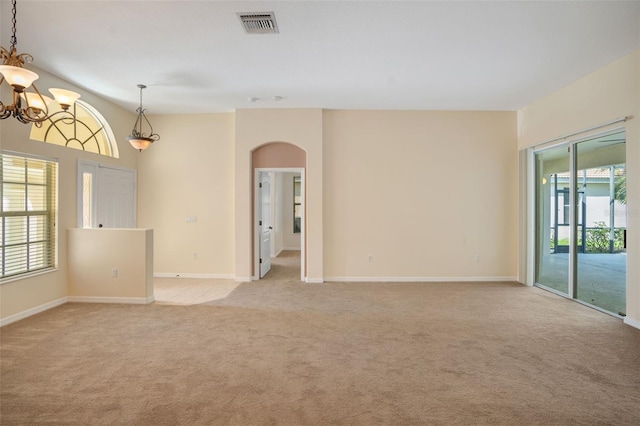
[[255, 229], [570, 142], [264, 261]]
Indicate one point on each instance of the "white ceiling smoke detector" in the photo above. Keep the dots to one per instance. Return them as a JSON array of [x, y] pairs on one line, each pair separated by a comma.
[[259, 22]]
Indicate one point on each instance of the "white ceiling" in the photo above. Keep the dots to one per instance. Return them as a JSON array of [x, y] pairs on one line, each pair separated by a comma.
[[195, 57]]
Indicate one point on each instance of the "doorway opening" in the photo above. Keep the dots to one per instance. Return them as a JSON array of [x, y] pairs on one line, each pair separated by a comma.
[[279, 223]]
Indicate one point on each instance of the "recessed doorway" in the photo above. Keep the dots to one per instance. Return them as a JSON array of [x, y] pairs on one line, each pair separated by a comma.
[[279, 225]]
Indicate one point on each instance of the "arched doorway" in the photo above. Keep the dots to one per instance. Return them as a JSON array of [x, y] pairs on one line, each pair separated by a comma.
[[267, 160]]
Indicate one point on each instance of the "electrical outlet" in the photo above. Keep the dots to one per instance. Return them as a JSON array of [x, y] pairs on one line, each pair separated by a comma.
[[114, 272], [477, 258], [370, 258], [195, 256]]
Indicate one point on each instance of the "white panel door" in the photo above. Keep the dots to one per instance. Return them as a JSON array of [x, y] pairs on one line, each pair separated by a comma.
[[116, 198], [265, 223]]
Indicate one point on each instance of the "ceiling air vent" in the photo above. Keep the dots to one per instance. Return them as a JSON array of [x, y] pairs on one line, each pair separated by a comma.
[[259, 22]]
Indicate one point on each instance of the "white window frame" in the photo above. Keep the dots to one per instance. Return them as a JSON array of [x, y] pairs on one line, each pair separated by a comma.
[[52, 209]]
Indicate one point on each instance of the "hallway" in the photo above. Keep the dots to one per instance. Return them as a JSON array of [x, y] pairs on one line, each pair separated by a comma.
[[285, 267]]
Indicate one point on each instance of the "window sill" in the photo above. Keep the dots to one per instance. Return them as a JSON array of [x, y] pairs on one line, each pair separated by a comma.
[[27, 275]]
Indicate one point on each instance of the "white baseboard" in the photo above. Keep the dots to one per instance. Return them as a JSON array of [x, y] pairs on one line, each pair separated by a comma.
[[243, 279], [291, 248], [190, 275], [29, 312], [632, 322], [419, 279], [127, 300], [314, 280]]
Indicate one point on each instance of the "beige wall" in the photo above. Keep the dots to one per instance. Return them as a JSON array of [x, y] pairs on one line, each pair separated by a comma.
[[278, 155], [380, 175], [190, 173], [607, 94], [424, 193], [30, 293], [110, 265]]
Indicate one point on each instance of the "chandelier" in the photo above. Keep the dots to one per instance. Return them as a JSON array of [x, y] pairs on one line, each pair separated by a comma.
[[28, 105], [138, 138]]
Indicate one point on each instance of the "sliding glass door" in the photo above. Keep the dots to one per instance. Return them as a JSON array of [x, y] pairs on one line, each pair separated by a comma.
[[580, 190], [552, 219], [601, 263]]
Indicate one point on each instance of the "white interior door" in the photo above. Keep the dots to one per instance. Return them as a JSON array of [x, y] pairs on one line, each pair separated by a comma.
[[116, 198], [265, 223]]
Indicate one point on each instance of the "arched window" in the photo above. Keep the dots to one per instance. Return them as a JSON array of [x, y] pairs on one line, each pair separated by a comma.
[[88, 132]]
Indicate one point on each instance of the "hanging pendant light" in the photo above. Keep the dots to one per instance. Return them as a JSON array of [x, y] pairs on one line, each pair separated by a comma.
[[27, 106], [138, 138]]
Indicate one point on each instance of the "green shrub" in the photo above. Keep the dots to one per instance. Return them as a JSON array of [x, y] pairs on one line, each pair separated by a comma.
[[598, 239]]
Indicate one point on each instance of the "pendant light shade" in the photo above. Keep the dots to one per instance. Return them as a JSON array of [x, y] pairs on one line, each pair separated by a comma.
[[18, 78], [65, 98], [140, 143], [36, 101]]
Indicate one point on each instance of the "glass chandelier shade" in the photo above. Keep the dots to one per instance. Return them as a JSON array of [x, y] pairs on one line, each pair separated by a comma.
[[35, 101], [18, 78], [140, 143], [65, 98]]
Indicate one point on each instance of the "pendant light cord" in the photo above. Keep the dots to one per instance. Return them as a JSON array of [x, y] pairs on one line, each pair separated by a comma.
[[141, 86], [140, 112], [14, 40], [140, 107]]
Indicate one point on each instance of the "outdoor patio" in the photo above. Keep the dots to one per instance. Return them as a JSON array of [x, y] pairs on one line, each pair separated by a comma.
[[601, 278]]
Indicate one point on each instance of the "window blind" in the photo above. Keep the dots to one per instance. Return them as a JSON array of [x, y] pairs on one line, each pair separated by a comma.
[[28, 218]]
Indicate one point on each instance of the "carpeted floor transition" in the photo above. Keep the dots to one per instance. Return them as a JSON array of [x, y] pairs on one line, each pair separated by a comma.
[[282, 352]]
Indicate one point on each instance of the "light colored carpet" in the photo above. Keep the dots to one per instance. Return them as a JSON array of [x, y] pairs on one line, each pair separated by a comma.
[[193, 291], [284, 352]]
